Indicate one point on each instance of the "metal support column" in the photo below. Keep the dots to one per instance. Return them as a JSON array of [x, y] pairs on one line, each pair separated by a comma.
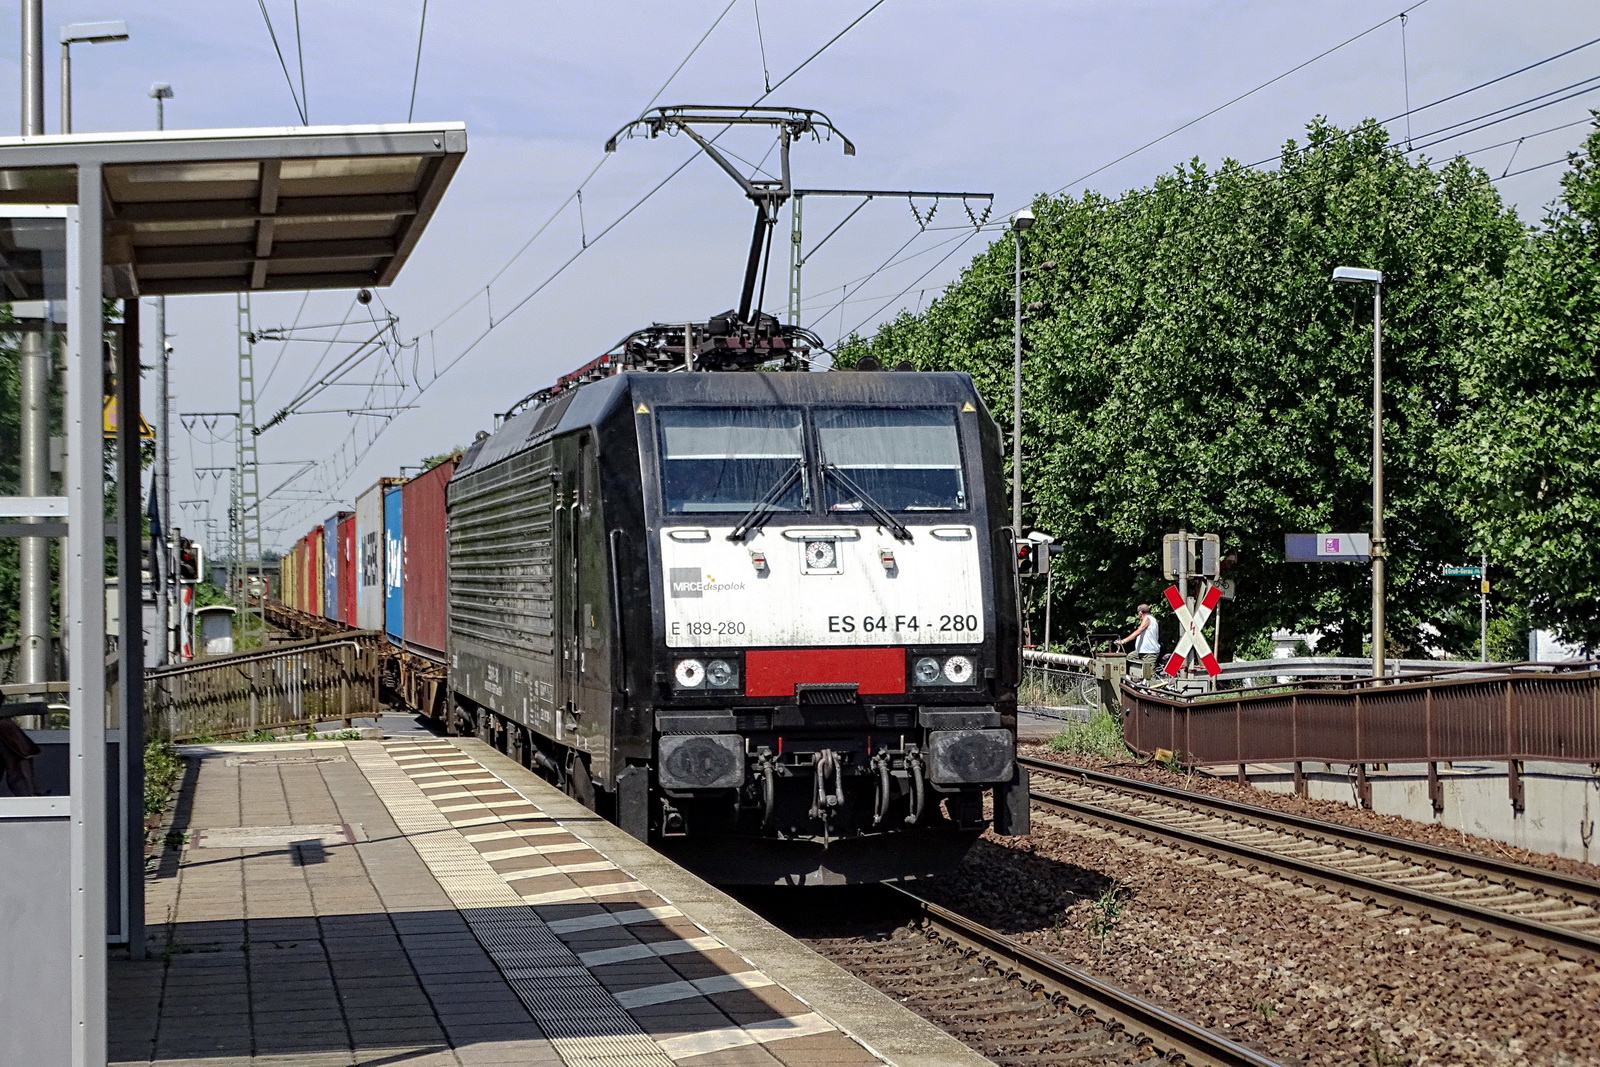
[[35, 396], [1016, 395], [34, 356], [161, 569], [130, 622], [249, 474], [796, 259], [1483, 608], [86, 669], [32, 67], [1380, 665]]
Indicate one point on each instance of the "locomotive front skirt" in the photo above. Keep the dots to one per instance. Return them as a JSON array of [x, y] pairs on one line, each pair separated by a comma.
[[765, 620]]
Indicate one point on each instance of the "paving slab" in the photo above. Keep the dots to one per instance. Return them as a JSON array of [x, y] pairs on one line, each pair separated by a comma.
[[428, 901]]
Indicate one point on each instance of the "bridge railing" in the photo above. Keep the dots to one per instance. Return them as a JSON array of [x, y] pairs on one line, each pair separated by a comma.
[[1514, 714], [288, 686]]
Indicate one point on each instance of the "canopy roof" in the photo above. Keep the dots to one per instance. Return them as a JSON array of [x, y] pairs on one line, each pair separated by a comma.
[[223, 211]]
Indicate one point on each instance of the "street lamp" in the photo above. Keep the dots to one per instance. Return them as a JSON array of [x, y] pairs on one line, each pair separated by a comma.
[[161, 92], [82, 33], [1375, 278], [1020, 222], [167, 591]]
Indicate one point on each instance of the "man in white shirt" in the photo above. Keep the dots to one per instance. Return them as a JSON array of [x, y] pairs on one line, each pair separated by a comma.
[[1148, 637]]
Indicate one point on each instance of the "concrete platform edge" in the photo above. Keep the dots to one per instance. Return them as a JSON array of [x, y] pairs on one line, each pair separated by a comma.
[[886, 1027]]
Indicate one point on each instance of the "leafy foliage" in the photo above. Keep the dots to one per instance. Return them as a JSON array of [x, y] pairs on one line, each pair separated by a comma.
[[1100, 735], [1194, 367], [1529, 450]]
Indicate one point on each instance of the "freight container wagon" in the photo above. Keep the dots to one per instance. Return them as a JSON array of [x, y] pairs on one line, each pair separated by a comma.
[[369, 555], [423, 564], [347, 567], [394, 589]]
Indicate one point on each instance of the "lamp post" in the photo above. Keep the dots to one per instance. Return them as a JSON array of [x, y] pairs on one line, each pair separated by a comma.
[[167, 591], [1375, 278], [1020, 223], [82, 33]]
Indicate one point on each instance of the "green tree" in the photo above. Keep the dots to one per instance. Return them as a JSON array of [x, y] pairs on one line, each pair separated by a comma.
[[1193, 366], [1529, 449]]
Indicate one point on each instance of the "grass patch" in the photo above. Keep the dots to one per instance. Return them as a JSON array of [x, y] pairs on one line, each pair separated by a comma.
[[1100, 736], [1054, 689], [162, 768]]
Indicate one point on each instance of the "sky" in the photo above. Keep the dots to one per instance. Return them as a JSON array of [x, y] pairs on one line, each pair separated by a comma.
[[1010, 97]]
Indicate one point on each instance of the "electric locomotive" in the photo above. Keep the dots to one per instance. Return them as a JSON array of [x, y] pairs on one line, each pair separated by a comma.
[[762, 618]]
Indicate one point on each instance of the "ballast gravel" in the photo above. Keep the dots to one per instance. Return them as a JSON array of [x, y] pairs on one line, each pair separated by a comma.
[[1294, 973]]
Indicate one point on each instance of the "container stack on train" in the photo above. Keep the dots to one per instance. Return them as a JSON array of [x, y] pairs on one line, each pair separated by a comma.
[[380, 567]]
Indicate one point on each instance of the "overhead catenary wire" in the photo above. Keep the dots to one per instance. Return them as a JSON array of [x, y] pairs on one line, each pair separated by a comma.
[[1405, 74], [604, 157], [416, 68], [1273, 176], [1242, 96], [761, 41], [357, 453], [1440, 136], [901, 294], [300, 55], [298, 106]]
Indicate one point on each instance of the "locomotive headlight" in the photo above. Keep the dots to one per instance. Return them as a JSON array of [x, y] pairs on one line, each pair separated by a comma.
[[720, 674], [958, 670], [926, 671], [690, 674]]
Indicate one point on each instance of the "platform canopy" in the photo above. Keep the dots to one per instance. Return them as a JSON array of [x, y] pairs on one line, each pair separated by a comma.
[[225, 211]]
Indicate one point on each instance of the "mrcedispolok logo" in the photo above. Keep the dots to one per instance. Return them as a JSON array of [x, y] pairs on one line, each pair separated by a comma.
[[695, 583]]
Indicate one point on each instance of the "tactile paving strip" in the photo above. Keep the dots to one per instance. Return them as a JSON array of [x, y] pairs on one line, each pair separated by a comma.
[[583, 1021], [473, 799]]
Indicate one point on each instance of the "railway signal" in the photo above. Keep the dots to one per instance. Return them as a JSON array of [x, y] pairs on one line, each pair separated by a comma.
[[1191, 630], [1034, 552]]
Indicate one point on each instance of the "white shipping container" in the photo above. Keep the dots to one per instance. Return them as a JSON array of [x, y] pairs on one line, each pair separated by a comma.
[[369, 556]]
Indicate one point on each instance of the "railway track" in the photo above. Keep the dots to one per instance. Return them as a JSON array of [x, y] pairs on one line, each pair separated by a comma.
[[1520, 904], [1017, 1006]]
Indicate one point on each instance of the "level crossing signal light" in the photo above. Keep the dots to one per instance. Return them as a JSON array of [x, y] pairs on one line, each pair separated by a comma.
[[1034, 552], [188, 560]]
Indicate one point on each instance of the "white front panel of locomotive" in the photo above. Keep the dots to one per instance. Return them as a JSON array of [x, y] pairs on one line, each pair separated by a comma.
[[821, 586]]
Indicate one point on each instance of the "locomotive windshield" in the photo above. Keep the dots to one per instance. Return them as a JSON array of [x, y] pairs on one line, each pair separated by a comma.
[[730, 459], [899, 459]]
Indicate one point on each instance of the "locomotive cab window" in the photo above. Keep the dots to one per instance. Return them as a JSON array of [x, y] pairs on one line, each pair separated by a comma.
[[730, 460], [900, 459]]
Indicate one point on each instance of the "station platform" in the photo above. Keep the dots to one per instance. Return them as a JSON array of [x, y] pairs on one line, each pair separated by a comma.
[[428, 902]]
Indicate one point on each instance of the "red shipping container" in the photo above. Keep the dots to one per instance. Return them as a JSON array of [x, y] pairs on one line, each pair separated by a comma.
[[423, 556], [347, 568]]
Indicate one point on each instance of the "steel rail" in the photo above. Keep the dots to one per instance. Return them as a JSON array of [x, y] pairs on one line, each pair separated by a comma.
[[1166, 1030], [1570, 944], [1468, 864]]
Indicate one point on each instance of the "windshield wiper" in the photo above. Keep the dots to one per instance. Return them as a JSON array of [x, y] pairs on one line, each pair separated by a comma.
[[874, 508], [762, 510]]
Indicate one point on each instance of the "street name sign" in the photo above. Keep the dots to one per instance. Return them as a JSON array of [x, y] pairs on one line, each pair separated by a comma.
[[1467, 570]]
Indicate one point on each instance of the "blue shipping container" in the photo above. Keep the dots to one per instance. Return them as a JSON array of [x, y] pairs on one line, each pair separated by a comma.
[[394, 617], [330, 567]]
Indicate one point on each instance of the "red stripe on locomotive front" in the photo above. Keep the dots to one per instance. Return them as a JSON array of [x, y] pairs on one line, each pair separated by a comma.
[[775, 672]]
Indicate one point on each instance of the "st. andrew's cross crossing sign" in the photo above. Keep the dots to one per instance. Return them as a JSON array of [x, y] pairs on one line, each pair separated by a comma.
[[1190, 630]]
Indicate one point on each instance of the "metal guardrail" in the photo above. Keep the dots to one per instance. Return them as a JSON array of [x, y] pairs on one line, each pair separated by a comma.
[[1061, 686], [1524, 712], [300, 684], [1352, 667]]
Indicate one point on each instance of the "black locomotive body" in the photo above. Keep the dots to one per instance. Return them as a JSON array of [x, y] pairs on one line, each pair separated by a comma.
[[765, 620]]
